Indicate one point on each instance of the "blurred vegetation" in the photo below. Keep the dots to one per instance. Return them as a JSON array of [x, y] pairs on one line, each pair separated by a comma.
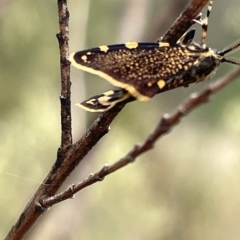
[[187, 187]]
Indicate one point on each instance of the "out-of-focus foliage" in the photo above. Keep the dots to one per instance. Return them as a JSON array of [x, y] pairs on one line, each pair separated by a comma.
[[187, 187]]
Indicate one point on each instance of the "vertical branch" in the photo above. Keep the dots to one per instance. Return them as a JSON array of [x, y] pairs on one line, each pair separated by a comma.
[[63, 37], [34, 209]]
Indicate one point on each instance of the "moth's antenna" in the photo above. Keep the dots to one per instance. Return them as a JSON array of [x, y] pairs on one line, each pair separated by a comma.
[[232, 61], [230, 49]]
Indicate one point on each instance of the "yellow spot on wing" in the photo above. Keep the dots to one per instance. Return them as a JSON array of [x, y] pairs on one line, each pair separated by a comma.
[[161, 83], [131, 45], [104, 48], [179, 66], [92, 101], [84, 58], [163, 44]]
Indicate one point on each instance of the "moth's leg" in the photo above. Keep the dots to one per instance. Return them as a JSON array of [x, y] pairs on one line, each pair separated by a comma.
[[187, 37], [104, 101], [204, 24]]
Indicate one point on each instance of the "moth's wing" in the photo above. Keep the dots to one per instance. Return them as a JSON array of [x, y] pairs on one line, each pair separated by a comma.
[[143, 69], [104, 101]]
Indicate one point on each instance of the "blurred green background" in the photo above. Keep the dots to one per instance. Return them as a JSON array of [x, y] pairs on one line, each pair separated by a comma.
[[186, 188]]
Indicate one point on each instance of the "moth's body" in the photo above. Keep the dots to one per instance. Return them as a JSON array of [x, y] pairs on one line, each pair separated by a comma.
[[153, 68], [142, 70]]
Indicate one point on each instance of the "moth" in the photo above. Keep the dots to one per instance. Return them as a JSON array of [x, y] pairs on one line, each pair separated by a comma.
[[142, 70]]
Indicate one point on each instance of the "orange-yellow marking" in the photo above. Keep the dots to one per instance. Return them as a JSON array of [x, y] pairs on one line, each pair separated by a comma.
[[163, 44], [131, 45], [161, 83], [149, 84], [185, 67], [104, 48], [84, 58]]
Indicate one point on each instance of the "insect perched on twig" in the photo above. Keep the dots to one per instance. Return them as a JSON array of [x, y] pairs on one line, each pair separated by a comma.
[[142, 70]]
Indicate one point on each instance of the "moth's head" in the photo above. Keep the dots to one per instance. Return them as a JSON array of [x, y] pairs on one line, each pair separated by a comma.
[[209, 59], [187, 40]]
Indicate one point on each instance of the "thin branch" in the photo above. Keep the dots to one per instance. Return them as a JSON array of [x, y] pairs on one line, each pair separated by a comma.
[[33, 210], [65, 99], [166, 124]]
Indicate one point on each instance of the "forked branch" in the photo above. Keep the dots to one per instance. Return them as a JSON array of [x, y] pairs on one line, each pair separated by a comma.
[[165, 125]]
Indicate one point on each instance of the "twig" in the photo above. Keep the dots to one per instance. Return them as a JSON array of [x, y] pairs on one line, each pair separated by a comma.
[[63, 37], [33, 210], [166, 123]]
